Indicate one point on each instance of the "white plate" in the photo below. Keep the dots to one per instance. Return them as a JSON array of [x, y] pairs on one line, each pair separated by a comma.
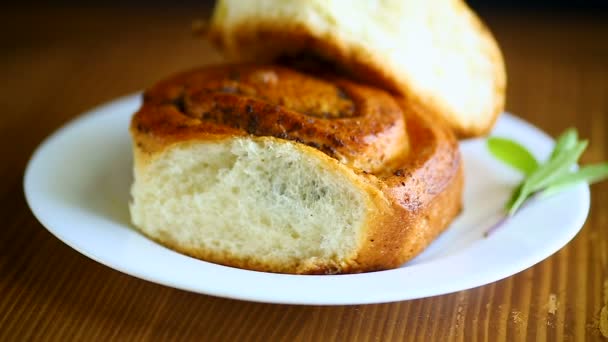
[[77, 184]]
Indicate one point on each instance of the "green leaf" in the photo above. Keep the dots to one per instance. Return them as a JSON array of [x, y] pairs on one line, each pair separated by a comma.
[[553, 176], [514, 196], [589, 174], [547, 173], [556, 167], [519, 197], [565, 142], [512, 154]]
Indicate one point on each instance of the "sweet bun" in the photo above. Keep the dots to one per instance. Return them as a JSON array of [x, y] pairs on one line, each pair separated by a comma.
[[267, 168], [435, 53]]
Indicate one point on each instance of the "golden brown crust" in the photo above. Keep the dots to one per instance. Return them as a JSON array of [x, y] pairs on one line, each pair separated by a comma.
[[414, 194], [425, 195], [358, 125]]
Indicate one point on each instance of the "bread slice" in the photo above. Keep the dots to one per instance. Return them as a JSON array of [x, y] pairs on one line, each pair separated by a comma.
[[247, 166], [436, 53]]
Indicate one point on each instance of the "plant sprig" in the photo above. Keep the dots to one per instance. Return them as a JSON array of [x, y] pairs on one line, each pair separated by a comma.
[[554, 175]]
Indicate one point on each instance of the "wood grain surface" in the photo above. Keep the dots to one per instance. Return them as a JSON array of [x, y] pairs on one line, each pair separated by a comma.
[[57, 63]]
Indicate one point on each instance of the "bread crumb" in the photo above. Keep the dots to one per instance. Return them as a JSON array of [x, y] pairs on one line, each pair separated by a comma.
[[606, 291], [459, 316], [552, 304], [516, 317], [604, 321]]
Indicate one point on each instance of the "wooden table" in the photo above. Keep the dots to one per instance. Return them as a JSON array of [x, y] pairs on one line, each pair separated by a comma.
[[56, 63]]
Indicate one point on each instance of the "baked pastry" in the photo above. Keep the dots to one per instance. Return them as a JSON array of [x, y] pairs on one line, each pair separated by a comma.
[[435, 53], [267, 168]]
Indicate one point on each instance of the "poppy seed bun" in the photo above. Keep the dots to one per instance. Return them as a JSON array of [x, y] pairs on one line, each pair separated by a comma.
[[266, 168]]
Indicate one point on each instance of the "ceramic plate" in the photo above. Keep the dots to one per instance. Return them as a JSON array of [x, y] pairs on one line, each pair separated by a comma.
[[77, 185]]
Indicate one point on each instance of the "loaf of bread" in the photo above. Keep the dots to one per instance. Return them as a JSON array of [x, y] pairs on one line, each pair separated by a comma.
[[267, 168], [435, 53]]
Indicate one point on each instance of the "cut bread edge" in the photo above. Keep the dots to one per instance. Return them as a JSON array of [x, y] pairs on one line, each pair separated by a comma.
[[259, 203], [382, 235]]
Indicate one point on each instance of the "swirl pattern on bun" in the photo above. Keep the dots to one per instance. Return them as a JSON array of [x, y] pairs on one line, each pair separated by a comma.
[[268, 168]]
